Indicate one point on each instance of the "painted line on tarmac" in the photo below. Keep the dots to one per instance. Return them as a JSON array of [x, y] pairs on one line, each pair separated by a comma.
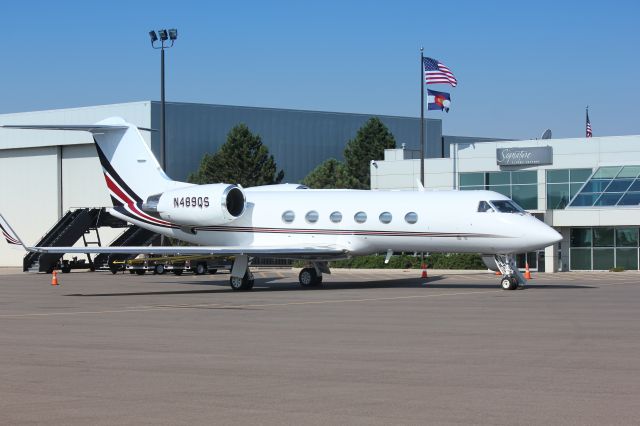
[[240, 306]]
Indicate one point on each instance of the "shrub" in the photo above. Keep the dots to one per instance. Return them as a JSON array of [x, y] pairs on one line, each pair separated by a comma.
[[409, 261]]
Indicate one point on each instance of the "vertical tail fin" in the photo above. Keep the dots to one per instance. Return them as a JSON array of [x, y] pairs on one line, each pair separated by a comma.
[[131, 171]]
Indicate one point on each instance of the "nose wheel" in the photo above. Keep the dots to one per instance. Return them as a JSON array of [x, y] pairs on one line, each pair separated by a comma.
[[509, 283], [511, 275]]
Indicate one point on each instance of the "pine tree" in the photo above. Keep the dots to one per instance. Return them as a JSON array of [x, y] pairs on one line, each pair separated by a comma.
[[369, 144], [242, 159], [330, 174]]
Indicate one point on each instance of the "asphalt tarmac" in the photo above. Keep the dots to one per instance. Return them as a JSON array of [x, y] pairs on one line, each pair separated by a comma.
[[369, 348]]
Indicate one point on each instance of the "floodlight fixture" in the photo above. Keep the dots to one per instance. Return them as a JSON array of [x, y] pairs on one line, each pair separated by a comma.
[[163, 35], [153, 36], [173, 34]]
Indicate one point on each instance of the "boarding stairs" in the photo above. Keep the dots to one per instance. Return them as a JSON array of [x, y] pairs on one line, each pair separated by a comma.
[[133, 236], [76, 224]]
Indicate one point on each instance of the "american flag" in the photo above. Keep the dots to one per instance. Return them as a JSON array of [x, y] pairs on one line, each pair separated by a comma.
[[589, 132], [436, 72]]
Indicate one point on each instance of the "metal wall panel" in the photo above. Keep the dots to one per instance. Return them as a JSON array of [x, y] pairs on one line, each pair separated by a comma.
[[298, 140]]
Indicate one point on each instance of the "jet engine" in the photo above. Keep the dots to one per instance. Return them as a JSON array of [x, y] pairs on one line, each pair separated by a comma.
[[198, 205]]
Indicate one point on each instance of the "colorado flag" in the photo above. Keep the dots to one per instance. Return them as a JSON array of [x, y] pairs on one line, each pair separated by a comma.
[[438, 100]]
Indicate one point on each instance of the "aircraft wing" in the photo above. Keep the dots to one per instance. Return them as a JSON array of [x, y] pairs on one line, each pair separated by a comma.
[[326, 252], [319, 252]]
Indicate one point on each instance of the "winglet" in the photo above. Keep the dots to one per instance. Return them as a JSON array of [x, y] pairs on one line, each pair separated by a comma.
[[10, 235]]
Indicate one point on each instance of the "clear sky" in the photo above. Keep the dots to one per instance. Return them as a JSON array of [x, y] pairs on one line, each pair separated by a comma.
[[522, 66]]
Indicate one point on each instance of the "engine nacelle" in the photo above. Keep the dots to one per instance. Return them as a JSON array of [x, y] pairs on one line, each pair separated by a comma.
[[198, 205]]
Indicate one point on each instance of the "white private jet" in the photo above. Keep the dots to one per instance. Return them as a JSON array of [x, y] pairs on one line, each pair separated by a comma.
[[294, 222]]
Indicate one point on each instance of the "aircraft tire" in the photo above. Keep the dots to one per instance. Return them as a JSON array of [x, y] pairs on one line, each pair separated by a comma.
[[508, 283], [242, 284], [308, 277]]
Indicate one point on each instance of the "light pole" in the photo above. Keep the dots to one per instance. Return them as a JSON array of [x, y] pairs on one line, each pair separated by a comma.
[[167, 38]]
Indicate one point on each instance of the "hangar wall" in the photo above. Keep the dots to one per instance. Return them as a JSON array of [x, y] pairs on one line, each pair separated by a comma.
[[46, 173], [298, 140]]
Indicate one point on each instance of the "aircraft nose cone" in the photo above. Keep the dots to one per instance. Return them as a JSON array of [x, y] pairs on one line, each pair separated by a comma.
[[546, 235]]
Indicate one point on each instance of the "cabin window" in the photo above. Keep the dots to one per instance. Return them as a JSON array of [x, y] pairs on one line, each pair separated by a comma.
[[411, 217], [312, 216], [385, 217], [506, 206], [483, 206], [288, 216], [360, 217], [336, 217]]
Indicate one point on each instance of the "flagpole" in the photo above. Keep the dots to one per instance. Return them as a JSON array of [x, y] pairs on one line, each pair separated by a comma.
[[422, 115], [586, 120]]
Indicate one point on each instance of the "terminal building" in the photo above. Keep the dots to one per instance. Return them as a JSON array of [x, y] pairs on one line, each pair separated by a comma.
[[588, 189]]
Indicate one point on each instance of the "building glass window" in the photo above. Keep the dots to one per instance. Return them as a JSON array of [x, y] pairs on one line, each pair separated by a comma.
[[627, 237], [557, 195], [603, 259], [580, 237], [385, 217], [525, 195], [519, 185], [627, 258], [335, 217], [467, 179], [580, 259], [523, 177], [558, 176], [609, 187], [603, 248], [360, 217], [498, 178], [563, 185]]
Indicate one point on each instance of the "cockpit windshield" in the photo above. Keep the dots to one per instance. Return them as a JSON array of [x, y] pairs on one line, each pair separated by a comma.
[[506, 206], [484, 207]]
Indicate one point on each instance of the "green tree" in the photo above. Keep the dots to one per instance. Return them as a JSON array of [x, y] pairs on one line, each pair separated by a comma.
[[242, 159], [369, 144], [330, 174]]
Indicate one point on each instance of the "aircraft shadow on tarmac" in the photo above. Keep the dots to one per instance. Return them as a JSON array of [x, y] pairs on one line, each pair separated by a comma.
[[272, 285]]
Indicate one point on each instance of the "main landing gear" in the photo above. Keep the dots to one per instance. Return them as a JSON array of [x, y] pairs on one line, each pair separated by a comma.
[[311, 275], [511, 275], [308, 277], [241, 277], [242, 284]]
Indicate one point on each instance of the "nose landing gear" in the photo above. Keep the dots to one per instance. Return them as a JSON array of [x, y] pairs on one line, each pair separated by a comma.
[[511, 275]]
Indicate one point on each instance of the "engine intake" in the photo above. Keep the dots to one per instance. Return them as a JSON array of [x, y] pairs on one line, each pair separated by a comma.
[[198, 205]]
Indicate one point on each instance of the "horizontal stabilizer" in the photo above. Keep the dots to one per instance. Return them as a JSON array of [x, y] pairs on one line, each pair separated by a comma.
[[93, 128]]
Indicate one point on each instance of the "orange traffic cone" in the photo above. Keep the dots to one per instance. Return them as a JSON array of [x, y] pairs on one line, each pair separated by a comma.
[[424, 271], [54, 278], [498, 272], [527, 273]]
